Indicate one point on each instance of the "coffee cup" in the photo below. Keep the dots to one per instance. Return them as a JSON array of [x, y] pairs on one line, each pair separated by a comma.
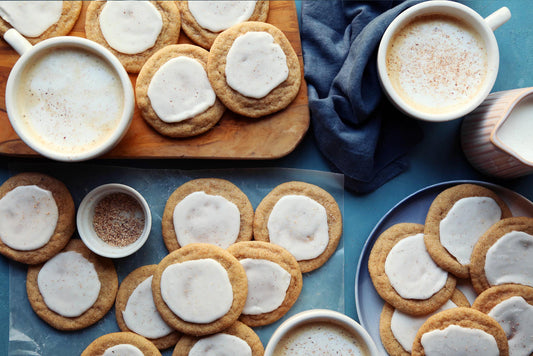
[[68, 98], [438, 60], [320, 331]]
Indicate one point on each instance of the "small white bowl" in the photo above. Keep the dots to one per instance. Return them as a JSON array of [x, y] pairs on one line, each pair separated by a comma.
[[364, 341], [85, 216]]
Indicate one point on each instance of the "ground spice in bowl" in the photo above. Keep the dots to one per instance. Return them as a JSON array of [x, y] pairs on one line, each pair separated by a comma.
[[118, 219]]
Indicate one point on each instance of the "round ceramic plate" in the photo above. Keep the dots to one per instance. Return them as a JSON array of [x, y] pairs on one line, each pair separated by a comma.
[[412, 209]]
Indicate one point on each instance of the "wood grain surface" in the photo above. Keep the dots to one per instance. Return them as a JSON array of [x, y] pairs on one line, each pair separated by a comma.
[[234, 137]]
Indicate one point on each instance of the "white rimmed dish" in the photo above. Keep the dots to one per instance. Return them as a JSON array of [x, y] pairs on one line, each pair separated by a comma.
[[412, 209], [84, 219], [364, 342]]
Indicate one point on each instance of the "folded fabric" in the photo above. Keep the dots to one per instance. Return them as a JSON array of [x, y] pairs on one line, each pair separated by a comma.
[[355, 127]]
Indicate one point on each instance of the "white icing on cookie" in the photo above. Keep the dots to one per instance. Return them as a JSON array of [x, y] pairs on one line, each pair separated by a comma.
[[300, 225], [221, 345], [197, 291], [123, 350], [404, 326], [28, 217], [180, 90], [411, 270], [130, 27], [510, 260], [206, 218], [267, 285], [515, 316], [69, 284], [141, 315], [458, 341], [464, 224], [217, 16], [31, 18], [255, 64]]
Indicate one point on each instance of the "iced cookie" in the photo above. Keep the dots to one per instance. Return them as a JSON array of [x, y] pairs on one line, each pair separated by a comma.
[[136, 312], [504, 254], [398, 330], [302, 218], [74, 289], [200, 289], [274, 281], [237, 340], [461, 331], [39, 20], [174, 94], [202, 21], [121, 343], [37, 217], [133, 30], [254, 69], [456, 219], [511, 305], [404, 274], [207, 210]]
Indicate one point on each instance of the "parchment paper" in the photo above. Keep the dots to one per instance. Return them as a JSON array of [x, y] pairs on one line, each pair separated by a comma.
[[29, 335]]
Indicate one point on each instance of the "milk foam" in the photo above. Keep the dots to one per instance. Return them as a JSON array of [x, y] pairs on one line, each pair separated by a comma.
[[437, 63], [320, 338], [70, 100]]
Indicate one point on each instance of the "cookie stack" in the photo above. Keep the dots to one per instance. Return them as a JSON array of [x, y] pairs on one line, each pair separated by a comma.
[[236, 59], [229, 269], [470, 242]]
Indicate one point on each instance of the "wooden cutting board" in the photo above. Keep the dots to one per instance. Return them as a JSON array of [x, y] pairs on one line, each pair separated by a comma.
[[234, 137]]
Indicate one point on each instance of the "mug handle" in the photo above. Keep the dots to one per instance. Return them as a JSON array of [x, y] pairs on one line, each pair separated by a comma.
[[17, 41], [498, 18]]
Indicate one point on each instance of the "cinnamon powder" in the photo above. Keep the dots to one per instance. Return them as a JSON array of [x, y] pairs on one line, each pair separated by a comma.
[[118, 219]]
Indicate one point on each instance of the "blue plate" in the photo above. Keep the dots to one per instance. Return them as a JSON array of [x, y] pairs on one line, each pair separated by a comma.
[[412, 209]]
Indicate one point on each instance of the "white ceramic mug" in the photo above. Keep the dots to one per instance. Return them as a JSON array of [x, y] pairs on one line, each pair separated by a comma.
[[72, 119], [414, 101], [336, 330]]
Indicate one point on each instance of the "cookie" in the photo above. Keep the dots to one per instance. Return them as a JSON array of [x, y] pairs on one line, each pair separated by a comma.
[[226, 216], [87, 286], [456, 219], [315, 212], [254, 69], [274, 281], [504, 254], [447, 332], [398, 330], [200, 289], [217, 18], [404, 274], [33, 239], [133, 31], [511, 305], [235, 334], [121, 343], [136, 312], [166, 86], [44, 21]]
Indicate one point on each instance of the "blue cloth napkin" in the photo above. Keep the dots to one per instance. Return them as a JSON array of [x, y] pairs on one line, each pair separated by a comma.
[[356, 128]]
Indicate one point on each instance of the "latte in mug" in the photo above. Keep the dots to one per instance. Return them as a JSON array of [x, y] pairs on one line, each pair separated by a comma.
[[437, 63], [69, 100]]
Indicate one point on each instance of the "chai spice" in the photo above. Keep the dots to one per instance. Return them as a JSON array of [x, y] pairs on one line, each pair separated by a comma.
[[118, 219]]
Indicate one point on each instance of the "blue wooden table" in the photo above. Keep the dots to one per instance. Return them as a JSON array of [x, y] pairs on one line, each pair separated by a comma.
[[437, 158]]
